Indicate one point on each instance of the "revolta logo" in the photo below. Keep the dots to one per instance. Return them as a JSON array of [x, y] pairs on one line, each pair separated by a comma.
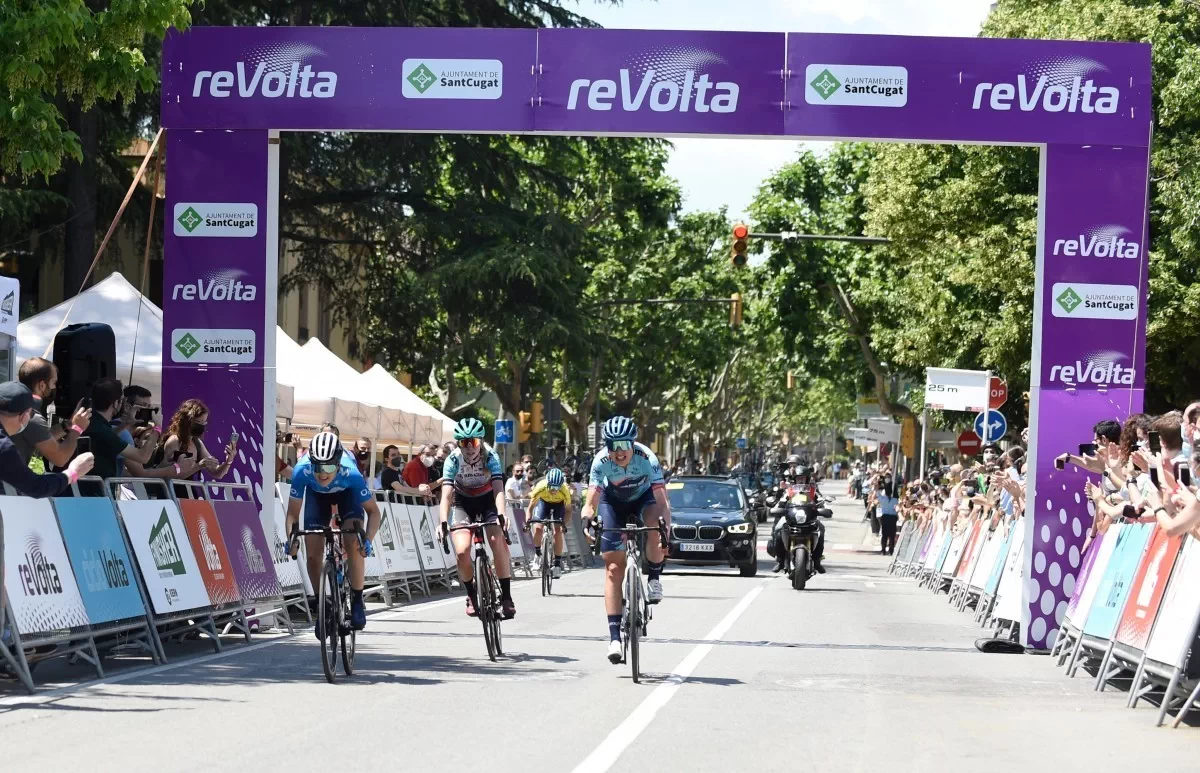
[[1100, 368], [1106, 241], [39, 575], [1052, 86], [104, 570], [669, 82], [272, 72], [251, 555], [211, 556]]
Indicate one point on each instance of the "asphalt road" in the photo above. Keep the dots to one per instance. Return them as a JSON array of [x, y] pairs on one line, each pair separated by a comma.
[[858, 673]]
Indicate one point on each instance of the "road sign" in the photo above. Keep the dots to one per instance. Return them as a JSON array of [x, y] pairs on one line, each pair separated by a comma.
[[504, 432], [997, 425], [742, 444], [948, 389], [968, 443], [999, 393]]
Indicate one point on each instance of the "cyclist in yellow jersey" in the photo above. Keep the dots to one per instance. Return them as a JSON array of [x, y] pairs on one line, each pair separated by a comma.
[[550, 499]]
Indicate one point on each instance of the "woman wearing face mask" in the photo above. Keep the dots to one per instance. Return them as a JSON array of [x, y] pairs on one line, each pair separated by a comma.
[[184, 440]]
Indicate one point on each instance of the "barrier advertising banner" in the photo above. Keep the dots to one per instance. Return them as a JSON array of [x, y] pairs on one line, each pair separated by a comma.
[[1175, 630], [518, 520], [273, 522], [954, 556], [1008, 589], [424, 524], [938, 557], [987, 559], [1113, 589], [160, 545], [38, 576], [1085, 572], [395, 543], [1146, 593], [103, 568], [212, 558], [967, 562], [253, 567], [1006, 549]]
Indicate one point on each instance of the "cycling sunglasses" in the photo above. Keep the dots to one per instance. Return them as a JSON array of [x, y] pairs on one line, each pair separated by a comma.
[[326, 469], [471, 442], [619, 445]]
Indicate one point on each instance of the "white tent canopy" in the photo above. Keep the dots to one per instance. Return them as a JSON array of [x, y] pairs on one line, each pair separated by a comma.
[[373, 404], [433, 426], [136, 322]]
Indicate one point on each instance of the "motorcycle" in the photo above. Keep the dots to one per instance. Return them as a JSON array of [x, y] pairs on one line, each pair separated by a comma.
[[799, 511]]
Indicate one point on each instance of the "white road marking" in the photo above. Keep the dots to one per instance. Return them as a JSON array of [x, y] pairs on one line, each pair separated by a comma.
[[604, 755], [869, 584], [843, 546]]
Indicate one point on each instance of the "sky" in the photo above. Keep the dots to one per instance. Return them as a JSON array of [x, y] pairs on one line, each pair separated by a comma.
[[715, 173]]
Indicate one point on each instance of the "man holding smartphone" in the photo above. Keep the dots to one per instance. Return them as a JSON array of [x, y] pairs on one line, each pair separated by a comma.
[[1104, 448]]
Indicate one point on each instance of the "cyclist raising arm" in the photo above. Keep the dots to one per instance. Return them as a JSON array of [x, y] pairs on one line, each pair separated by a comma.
[[473, 492], [323, 479], [551, 497], [626, 486]]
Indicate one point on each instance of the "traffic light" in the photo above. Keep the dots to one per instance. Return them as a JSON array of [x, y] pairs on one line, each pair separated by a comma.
[[735, 310], [791, 380], [740, 234], [524, 428], [536, 419]]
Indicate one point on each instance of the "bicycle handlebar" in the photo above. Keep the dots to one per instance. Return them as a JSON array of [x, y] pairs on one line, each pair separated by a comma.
[[447, 528]]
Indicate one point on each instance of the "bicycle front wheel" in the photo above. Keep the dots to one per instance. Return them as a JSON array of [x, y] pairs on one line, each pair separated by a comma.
[[633, 605], [347, 633], [485, 603], [328, 617], [547, 546]]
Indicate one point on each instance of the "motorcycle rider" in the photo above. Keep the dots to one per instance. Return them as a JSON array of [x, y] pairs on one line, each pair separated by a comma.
[[794, 474]]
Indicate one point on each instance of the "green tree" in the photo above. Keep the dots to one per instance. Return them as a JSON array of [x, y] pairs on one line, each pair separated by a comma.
[[81, 52]]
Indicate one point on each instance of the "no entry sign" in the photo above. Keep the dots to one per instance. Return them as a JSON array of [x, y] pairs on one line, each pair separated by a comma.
[[968, 443]]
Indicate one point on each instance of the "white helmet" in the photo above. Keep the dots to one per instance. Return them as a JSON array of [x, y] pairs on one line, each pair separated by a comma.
[[325, 448]]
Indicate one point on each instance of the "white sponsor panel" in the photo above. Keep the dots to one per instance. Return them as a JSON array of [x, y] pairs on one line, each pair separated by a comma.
[[164, 555], [950, 389], [10, 305], [1076, 300], [399, 545], [38, 577], [1008, 592], [1175, 627], [423, 522], [208, 345], [452, 79], [196, 218], [859, 85], [987, 559], [274, 523], [957, 546]]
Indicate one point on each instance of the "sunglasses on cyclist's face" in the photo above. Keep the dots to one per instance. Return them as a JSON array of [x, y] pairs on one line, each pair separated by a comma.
[[325, 469], [620, 445], [471, 442]]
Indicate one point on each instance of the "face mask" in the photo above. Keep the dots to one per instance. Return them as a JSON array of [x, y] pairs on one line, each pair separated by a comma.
[[395, 461], [1143, 445], [49, 396], [198, 429], [427, 461], [24, 424], [518, 475]]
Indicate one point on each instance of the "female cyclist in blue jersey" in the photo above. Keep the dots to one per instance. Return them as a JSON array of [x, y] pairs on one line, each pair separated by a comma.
[[626, 486], [322, 480], [473, 483]]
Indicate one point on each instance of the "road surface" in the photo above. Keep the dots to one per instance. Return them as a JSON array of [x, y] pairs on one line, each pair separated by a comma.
[[861, 672]]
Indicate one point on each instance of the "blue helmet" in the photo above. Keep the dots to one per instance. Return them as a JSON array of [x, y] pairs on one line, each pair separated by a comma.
[[620, 428], [555, 478]]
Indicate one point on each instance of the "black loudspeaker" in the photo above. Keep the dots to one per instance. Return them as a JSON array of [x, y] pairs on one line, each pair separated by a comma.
[[83, 354]]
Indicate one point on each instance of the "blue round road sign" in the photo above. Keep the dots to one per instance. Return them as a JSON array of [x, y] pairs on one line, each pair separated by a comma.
[[997, 425]]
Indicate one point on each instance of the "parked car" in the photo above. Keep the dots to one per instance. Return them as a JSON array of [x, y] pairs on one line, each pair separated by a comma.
[[711, 523]]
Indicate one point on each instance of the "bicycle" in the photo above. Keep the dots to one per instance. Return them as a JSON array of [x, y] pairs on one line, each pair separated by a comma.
[[333, 599], [635, 613], [487, 586], [548, 531]]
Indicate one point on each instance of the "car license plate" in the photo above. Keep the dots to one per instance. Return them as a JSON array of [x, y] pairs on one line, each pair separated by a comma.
[[696, 547]]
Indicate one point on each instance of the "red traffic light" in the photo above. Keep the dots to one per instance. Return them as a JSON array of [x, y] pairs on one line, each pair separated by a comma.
[[740, 231]]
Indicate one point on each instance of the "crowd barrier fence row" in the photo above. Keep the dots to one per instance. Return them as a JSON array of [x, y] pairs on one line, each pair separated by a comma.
[[1133, 611], [126, 564]]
